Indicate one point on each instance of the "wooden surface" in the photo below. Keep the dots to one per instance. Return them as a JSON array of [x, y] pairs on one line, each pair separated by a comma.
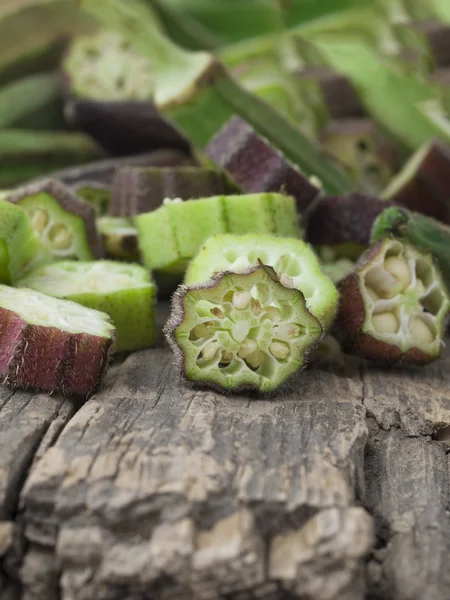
[[335, 488]]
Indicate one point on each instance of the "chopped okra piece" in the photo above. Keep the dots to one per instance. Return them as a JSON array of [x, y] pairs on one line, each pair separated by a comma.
[[97, 195], [140, 190], [393, 305], [18, 242], [238, 331], [337, 269], [293, 260], [124, 291], [52, 345], [64, 223], [171, 236], [256, 165], [120, 238]]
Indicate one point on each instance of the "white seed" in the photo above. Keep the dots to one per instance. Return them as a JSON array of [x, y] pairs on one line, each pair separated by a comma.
[[217, 312], [372, 294], [209, 350], [255, 359], [202, 330], [248, 346], [385, 322], [273, 313], [398, 268], [255, 305], [287, 281], [383, 283], [60, 237], [420, 287], [420, 331], [289, 330], [279, 350], [226, 357], [241, 300], [39, 219]]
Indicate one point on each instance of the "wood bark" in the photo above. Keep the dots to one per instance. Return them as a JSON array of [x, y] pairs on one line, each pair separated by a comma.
[[334, 488]]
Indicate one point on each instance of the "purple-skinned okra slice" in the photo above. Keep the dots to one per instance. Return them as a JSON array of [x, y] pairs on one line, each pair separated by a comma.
[[239, 331], [394, 305], [124, 291], [52, 345], [292, 259]]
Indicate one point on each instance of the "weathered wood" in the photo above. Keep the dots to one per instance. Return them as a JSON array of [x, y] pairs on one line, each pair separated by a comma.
[[157, 490]]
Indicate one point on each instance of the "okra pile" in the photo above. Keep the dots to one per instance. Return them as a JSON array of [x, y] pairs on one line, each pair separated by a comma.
[[286, 186]]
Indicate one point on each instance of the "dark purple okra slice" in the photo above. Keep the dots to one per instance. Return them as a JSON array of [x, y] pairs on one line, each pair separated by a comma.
[[138, 190], [393, 305], [64, 223], [256, 166], [241, 331]]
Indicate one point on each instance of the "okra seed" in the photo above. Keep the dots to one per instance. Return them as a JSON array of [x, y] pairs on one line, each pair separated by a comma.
[[248, 346], [420, 288], [209, 350], [202, 330], [287, 330], [60, 236], [255, 359], [372, 294], [39, 220], [241, 300], [420, 331], [226, 357], [385, 322], [398, 268], [287, 281], [217, 312], [255, 305], [273, 313], [279, 350]]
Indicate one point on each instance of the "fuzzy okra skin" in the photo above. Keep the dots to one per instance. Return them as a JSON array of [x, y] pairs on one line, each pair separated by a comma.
[[122, 290], [171, 236], [393, 306], [417, 229], [18, 242], [195, 90], [52, 345], [64, 223], [238, 331], [292, 259]]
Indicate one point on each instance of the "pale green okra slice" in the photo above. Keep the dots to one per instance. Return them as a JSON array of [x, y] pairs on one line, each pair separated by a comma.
[[124, 291], [238, 331], [292, 259]]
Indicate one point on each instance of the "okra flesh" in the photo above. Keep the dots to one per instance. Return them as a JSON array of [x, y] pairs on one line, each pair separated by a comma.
[[124, 291], [292, 259], [120, 238], [241, 331], [405, 305]]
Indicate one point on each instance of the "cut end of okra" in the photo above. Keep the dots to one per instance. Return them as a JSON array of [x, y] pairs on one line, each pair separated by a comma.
[[95, 194], [293, 260], [170, 236], [18, 242], [423, 183], [124, 291], [370, 158], [120, 238], [52, 345], [256, 165], [105, 66], [238, 331], [140, 190], [64, 223], [338, 220], [393, 306]]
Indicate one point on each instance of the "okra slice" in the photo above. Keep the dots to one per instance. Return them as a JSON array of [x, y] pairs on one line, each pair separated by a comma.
[[64, 223], [105, 66], [343, 224], [18, 242], [424, 182], [370, 157], [140, 190], [95, 194], [393, 306], [120, 238], [238, 331], [256, 165], [292, 259], [171, 236], [52, 345], [124, 291]]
